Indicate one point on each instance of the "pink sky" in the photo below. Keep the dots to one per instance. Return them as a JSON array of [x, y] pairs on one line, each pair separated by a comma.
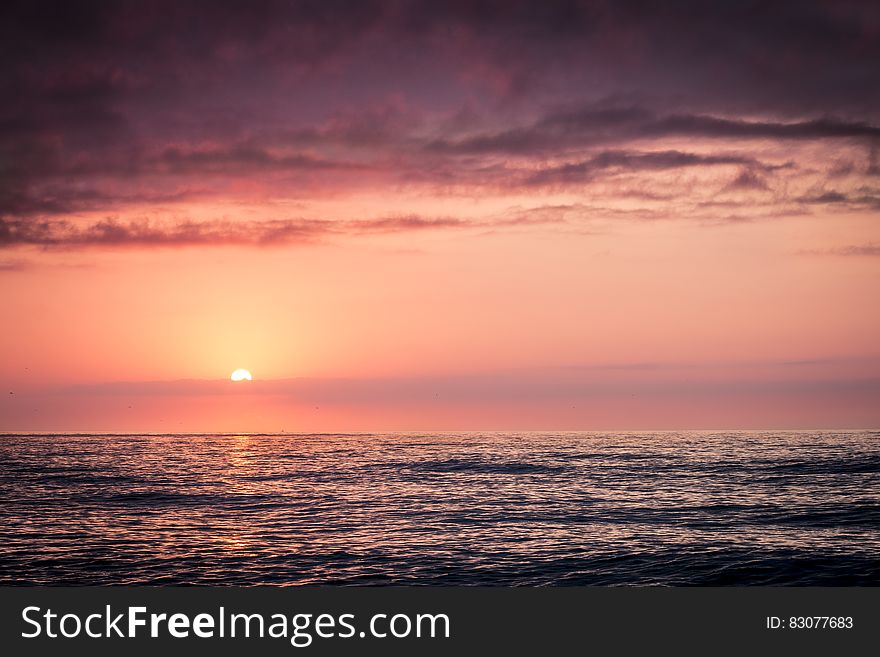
[[431, 221]]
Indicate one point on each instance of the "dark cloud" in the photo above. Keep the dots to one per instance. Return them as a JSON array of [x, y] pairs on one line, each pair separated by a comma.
[[710, 126], [112, 233], [109, 104], [635, 161], [826, 197], [861, 197], [239, 158], [50, 185], [593, 126], [748, 179]]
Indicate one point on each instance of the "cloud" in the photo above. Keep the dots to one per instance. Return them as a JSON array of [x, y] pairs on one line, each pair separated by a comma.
[[51, 185], [860, 198], [826, 197], [113, 233], [748, 179], [716, 127], [117, 108], [864, 250], [635, 161], [873, 168], [591, 125], [240, 157]]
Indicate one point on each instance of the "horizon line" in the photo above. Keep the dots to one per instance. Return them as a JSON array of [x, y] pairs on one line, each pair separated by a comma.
[[424, 431]]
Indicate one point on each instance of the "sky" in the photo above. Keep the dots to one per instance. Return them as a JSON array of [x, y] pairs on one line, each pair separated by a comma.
[[477, 215]]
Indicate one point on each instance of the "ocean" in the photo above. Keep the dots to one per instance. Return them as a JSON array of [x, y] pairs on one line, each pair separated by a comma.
[[526, 509]]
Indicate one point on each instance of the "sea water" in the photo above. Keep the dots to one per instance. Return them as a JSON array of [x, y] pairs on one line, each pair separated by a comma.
[[685, 508]]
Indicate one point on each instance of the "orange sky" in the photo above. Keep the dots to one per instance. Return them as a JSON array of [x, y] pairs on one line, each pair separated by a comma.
[[387, 254], [695, 321]]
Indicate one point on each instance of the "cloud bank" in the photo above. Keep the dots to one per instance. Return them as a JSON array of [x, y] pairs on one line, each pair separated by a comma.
[[124, 123]]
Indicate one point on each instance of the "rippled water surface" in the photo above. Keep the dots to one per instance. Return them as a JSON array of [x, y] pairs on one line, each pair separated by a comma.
[[497, 509]]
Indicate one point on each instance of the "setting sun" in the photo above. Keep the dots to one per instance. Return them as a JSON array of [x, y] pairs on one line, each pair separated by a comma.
[[241, 375]]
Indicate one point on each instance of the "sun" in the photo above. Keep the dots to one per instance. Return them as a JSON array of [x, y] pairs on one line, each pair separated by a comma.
[[241, 375]]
